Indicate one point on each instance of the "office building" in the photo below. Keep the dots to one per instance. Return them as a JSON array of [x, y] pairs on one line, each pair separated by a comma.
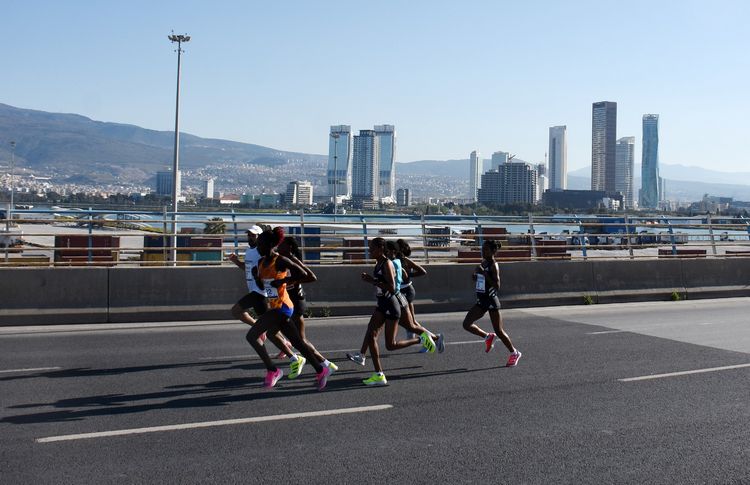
[[340, 162], [208, 189], [164, 183], [475, 174], [513, 183], [366, 168], [299, 193], [387, 162], [558, 158], [542, 181], [499, 159], [650, 193], [603, 139], [624, 163], [403, 197]]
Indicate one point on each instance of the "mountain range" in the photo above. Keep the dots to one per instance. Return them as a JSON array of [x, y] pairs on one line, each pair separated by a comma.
[[76, 148]]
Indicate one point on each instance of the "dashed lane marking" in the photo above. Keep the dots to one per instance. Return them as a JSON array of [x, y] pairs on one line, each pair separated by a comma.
[[684, 373], [33, 369]]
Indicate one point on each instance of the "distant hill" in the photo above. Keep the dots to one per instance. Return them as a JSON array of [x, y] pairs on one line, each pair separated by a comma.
[[94, 150]]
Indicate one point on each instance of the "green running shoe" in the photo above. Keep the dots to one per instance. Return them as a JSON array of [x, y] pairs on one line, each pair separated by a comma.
[[375, 380], [295, 368], [427, 342]]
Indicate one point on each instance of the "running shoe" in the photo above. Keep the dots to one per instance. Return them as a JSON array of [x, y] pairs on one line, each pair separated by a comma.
[[375, 380], [422, 350], [332, 367], [489, 341], [513, 359], [427, 342], [322, 377], [295, 368], [440, 343], [272, 377], [356, 358]]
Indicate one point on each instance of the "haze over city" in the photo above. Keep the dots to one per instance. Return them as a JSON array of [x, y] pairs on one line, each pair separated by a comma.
[[453, 77]]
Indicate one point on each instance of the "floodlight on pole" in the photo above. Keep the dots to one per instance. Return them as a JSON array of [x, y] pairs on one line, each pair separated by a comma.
[[179, 38]]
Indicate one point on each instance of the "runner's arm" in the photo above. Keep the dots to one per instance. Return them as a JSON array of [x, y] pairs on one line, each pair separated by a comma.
[[416, 269]]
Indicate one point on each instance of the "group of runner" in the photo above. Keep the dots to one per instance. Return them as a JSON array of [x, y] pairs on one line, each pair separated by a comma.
[[275, 272]]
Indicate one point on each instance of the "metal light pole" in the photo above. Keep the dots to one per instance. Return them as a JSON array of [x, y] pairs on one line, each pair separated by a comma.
[[335, 137], [12, 185], [180, 38]]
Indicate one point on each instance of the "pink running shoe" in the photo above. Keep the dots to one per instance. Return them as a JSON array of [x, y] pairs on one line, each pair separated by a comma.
[[272, 378], [513, 359], [489, 342], [322, 378]]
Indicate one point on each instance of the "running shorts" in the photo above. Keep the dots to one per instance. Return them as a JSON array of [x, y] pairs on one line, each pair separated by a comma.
[[390, 307], [409, 293], [300, 307], [254, 300], [486, 302]]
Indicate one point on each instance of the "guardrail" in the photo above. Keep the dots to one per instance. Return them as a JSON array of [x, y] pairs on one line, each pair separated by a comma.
[[75, 237]]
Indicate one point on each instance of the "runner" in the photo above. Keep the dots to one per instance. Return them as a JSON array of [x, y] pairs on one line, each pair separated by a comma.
[[272, 274], [256, 298], [487, 277], [406, 319], [290, 249], [411, 270], [387, 312]]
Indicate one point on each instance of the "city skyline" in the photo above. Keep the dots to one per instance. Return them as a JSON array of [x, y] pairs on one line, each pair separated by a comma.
[[238, 86]]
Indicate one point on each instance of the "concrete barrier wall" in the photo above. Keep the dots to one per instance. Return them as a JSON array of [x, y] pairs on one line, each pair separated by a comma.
[[84, 295]]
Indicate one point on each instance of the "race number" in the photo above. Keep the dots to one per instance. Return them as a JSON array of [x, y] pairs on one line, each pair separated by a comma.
[[480, 283]]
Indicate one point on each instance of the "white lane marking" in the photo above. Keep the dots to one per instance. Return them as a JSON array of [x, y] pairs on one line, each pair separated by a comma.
[[249, 355], [605, 332], [34, 369], [209, 424], [683, 373], [709, 323]]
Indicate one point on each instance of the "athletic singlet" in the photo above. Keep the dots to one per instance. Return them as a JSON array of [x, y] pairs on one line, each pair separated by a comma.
[[407, 279], [278, 298], [482, 286], [252, 256], [397, 273], [295, 291], [379, 274]]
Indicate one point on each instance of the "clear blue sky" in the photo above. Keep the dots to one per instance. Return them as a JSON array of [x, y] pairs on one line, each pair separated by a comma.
[[452, 76]]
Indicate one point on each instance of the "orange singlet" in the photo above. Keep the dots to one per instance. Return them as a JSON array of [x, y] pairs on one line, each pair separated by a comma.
[[278, 298]]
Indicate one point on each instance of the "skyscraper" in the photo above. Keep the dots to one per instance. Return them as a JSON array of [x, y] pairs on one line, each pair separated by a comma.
[[403, 197], [558, 158], [650, 193], [475, 174], [340, 161], [366, 168], [164, 183], [387, 156], [624, 160], [542, 182], [299, 193], [498, 159], [513, 183], [603, 138], [208, 189]]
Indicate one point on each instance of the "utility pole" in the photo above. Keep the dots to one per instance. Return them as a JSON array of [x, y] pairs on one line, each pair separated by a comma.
[[180, 38]]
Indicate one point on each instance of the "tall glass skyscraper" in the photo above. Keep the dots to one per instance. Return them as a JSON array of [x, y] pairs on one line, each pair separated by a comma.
[[650, 194], [499, 159], [558, 158], [366, 167], [340, 161], [475, 174], [624, 160], [603, 138], [387, 160]]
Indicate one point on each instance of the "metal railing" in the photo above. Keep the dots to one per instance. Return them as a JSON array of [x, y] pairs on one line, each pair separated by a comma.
[[76, 237]]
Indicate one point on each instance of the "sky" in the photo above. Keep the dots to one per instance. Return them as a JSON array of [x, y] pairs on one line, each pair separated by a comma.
[[452, 76]]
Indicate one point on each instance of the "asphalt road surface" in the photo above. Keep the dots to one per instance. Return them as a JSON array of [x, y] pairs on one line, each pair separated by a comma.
[[629, 393]]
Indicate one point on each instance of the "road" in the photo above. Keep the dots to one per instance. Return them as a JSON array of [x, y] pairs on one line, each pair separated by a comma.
[[627, 393]]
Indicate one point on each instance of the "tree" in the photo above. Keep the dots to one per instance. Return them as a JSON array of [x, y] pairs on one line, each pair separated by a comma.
[[215, 225]]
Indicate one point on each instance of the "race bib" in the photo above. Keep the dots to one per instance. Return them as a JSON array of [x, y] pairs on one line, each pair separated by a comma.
[[480, 283], [270, 291]]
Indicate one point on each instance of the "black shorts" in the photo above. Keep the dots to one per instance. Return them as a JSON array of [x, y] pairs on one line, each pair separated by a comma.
[[409, 293], [254, 300], [300, 307], [488, 302], [390, 307]]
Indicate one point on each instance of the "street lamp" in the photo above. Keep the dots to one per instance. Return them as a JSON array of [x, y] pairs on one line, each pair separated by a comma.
[[335, 137], [179, 38], [12, 184]]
